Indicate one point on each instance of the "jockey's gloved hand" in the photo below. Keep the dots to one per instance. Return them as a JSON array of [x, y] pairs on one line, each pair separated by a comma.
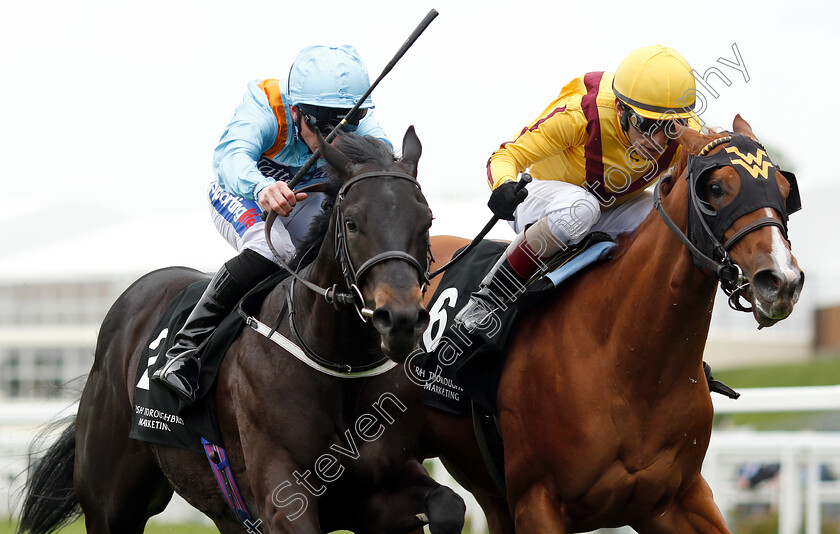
[[504, 199]]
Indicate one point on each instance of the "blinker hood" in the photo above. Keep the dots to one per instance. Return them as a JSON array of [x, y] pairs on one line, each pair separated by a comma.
[[758, 189]]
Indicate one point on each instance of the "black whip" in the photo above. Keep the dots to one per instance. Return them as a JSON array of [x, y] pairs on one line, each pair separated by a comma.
[[524, 180]]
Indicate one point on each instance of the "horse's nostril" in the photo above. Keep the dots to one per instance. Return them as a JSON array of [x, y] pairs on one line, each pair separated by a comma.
[[382, 319], [767, 283], [386, 319], [423, 319]]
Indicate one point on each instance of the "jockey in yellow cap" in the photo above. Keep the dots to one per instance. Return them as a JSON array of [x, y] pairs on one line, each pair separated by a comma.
[[592, 153]]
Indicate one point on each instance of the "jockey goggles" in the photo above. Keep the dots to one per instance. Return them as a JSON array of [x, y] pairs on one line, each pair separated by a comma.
[[646, 126], [324, 119]]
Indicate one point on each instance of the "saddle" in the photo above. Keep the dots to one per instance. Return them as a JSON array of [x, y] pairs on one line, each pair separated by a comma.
[[458, 367]]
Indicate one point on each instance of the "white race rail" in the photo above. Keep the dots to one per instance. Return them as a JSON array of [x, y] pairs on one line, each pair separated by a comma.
[[19, 423], [765, 400], [800, 455]]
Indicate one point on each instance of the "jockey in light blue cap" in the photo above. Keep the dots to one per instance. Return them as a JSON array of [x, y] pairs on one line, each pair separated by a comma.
[[329, 76], [263, 146], [325, 82]]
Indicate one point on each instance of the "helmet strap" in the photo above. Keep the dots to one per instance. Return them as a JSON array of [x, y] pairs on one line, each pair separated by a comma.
[[298, 131]]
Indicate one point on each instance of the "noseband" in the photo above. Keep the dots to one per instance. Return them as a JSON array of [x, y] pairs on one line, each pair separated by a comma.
[[353, 275], [706, 225]]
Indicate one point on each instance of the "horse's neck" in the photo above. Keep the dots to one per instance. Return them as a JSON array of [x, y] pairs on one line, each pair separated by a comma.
[[336, 334], [668, 298]]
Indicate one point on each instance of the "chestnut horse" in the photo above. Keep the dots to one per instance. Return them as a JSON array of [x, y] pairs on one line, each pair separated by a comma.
[[602, 403], [312, 450]]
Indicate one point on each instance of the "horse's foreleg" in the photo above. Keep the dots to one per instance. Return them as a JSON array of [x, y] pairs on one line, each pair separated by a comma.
[[694, 512], [496, 512], [287, 503], [445, 510], [411, 500], [537, 512]]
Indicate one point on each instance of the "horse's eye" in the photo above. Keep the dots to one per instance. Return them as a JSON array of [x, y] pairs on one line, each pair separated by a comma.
[[716, 190], [351, 225]]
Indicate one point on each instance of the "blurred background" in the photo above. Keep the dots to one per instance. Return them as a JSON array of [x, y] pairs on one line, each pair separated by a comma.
[[109, 113]]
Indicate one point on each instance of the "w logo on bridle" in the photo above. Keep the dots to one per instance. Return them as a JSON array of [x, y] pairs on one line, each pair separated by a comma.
[[754, 164]]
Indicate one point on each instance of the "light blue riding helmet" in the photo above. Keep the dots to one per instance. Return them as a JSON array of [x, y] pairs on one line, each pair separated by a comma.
[[329, 76]]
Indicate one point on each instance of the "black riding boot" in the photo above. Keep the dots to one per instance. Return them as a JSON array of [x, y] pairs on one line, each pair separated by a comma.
[[231, 283]]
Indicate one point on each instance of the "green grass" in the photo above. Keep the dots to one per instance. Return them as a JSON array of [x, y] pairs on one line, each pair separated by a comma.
[[822, 371], [7, 527], [78, 527]]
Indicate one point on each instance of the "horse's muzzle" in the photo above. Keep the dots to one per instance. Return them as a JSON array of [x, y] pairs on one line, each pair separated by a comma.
[[400, 328], [775, 292]]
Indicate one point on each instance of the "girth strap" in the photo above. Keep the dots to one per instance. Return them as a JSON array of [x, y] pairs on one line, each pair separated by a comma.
[[227, 485]]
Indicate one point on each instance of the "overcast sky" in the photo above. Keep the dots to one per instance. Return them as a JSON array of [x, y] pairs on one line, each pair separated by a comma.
[[111, 110]]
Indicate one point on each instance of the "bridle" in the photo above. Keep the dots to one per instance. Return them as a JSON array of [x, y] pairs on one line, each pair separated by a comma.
[[706, 226], [353, 275]]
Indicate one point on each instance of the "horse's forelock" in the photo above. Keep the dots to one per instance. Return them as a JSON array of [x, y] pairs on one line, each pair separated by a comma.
[[366, 149], [710, 135], [360, 150]]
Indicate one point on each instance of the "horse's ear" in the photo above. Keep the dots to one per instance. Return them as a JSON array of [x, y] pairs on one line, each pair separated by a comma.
[[740, 126], [666, 183], [411, 150], [692, 140], [336, 158]]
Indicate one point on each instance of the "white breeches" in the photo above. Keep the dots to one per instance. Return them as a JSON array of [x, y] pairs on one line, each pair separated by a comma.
[[238, 220], [571, 212]]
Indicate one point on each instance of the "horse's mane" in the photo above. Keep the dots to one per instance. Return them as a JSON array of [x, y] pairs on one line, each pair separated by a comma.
[[680, 165], [623, 241], [360, 150]]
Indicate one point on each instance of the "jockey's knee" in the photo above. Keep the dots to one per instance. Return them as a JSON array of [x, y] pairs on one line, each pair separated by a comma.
[[572, 221]]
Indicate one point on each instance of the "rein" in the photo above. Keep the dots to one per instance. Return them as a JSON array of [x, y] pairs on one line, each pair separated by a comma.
[[715, 260], [351, 274], [326, 366]]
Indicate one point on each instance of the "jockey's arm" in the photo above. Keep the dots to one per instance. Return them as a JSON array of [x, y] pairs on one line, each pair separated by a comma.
[[548, 135], [279, 197], [249, 134], [251, 131]]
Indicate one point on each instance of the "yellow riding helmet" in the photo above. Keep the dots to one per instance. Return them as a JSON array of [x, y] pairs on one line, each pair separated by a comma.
[[656, 80]]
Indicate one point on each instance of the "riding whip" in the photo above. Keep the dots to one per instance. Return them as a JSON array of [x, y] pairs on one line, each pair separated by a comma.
[[524, 180], [334, 132]]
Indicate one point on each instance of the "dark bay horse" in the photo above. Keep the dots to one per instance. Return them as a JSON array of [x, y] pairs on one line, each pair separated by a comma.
[[603, 404], [312, 452]]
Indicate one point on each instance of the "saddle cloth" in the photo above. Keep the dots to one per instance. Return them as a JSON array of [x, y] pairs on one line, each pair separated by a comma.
[[455, 366], [159, 415]]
